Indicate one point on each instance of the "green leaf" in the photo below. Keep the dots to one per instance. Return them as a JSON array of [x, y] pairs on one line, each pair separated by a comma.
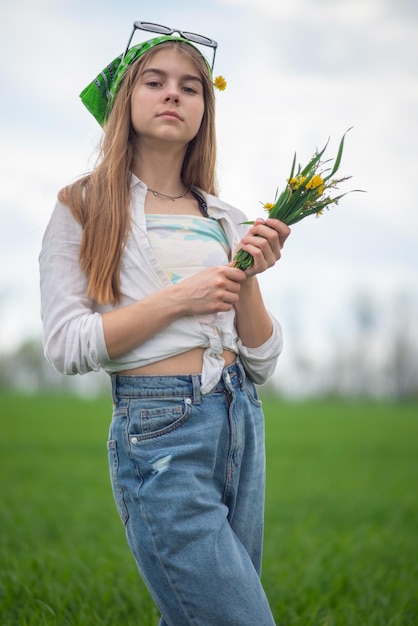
[[339, 156], [292, 171]]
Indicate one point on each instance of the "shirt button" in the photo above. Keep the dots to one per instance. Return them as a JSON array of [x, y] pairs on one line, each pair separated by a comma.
[[134, 440], [188, 401]]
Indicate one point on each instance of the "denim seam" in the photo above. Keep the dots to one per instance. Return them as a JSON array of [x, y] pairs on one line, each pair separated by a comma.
[[161, 562]]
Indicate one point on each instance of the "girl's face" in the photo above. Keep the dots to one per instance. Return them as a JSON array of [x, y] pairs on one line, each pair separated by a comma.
[[167, 103]]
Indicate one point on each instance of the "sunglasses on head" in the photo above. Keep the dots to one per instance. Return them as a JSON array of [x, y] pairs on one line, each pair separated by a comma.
[[164, 30]]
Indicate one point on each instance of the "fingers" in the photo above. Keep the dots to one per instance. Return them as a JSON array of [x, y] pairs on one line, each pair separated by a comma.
[[281, 228], [233, 274], [226, 283], [211, 290], [264, 229], [264, 241]]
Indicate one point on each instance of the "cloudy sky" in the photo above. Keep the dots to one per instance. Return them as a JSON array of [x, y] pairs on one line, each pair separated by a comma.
[[298, 73]]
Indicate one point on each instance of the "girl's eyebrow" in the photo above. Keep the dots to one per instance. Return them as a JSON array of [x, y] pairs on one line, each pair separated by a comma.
[[153, 70]]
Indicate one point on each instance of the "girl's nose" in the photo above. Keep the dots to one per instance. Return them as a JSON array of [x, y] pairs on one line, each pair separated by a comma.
[[172, 93], [171, 97]]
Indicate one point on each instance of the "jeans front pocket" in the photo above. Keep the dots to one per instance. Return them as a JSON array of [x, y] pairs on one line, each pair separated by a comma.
[[153, 417]]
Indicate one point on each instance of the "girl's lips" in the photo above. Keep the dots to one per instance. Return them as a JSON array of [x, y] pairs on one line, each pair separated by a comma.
[[170, 114]]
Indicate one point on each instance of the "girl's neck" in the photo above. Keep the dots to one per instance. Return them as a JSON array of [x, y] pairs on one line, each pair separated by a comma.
[[160, 170]]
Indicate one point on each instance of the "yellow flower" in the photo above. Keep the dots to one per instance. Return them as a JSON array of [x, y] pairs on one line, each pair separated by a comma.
[[220, 83], [296, 181], [316, 183], [268, 206]]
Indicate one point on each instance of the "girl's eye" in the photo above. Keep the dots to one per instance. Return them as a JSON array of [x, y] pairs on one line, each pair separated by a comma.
[[153, 83], [188, 89]]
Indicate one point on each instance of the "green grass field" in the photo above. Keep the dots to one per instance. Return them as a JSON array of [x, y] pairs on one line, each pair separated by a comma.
[[341, 537]]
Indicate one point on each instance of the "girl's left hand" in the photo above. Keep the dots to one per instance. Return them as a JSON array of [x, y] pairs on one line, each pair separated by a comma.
[[264, 242]]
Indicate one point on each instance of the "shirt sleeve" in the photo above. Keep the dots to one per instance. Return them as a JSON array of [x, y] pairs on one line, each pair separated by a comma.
[[73, 332], [261, 362]]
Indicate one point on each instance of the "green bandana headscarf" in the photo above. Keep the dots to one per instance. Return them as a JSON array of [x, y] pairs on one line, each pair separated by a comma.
[[99, 95]]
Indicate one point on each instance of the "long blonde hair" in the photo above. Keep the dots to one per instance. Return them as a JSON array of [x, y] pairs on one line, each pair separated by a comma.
[[100, 201]]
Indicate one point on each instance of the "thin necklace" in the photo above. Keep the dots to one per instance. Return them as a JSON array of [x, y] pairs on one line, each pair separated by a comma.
[[164, 195]]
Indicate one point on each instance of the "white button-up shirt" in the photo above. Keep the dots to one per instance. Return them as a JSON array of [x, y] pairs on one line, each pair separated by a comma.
[[74, 340]]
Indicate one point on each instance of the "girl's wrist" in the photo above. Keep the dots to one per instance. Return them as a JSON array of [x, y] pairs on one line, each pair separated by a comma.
[[249, 291], [250, 284]]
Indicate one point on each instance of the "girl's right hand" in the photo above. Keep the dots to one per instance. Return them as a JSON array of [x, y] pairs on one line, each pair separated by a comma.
[[212, 290]]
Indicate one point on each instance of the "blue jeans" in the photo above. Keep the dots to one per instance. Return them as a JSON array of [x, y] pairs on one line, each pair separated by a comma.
[[188, 474]]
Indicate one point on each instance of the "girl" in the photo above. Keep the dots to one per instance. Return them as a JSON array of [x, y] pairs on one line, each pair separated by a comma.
[[137, 278]]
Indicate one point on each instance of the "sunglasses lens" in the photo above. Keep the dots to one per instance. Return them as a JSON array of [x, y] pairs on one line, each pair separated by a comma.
[[205, 41], [155, 28]]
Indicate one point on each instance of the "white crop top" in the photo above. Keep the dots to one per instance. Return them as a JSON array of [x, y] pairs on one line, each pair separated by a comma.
[[173, 240]]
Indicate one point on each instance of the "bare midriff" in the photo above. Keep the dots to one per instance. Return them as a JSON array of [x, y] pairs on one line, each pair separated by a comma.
[[190, 362]]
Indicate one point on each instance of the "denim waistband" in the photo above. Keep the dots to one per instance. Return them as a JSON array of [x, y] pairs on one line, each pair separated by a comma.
[[125, 386]]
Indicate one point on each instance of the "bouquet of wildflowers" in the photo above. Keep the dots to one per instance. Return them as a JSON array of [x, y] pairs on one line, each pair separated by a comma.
[[308, 191]]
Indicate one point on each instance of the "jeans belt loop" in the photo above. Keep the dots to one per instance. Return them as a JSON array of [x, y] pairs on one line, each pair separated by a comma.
[[241, 373], [196, 389], [113, 380]]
